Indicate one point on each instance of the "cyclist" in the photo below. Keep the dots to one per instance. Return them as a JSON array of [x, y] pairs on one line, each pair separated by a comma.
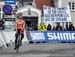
[[20, 26]]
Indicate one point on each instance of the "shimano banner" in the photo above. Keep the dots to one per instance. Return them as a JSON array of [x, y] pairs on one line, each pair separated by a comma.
[[60, 36], [53, 36]]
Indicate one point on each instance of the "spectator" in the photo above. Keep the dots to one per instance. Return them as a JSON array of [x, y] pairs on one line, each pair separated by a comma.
[[58, 27], [49, 27], [71, 27], [42, 27], [67, 28], [54, 28], [35, 28], [1, 24]]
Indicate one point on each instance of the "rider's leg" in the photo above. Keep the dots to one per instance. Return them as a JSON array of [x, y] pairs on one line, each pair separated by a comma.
[[16, 36], [22, 36]]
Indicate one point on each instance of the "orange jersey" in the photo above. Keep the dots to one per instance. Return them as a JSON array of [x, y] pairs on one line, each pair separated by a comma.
[[20, 24]]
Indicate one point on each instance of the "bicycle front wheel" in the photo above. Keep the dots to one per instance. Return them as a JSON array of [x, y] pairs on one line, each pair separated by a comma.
[[17, 46]]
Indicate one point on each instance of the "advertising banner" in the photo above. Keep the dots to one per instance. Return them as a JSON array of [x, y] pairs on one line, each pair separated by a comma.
[[60, 36], [37, 36], [52, 14], [53, 36]]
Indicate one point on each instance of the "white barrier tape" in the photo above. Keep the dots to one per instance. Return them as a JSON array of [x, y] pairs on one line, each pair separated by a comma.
[[9, 37], [2, 42], [6, 37]]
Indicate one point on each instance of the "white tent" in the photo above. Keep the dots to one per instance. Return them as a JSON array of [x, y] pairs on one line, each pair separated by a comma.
[[34, 12]]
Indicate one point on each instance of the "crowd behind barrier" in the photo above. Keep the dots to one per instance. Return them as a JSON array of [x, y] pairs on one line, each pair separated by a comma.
[[58, 27], [43, 26]]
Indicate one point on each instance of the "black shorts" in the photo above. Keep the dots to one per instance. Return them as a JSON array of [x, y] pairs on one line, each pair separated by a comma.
[[19, 30]]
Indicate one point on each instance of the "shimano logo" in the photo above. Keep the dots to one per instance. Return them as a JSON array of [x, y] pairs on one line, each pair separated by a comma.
[[61, 36]]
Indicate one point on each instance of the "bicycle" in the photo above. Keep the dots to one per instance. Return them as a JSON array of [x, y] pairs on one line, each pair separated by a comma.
[[18, 42]]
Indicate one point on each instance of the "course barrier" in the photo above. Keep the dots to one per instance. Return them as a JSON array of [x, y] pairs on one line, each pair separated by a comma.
[[7, 37], [52, 36]]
